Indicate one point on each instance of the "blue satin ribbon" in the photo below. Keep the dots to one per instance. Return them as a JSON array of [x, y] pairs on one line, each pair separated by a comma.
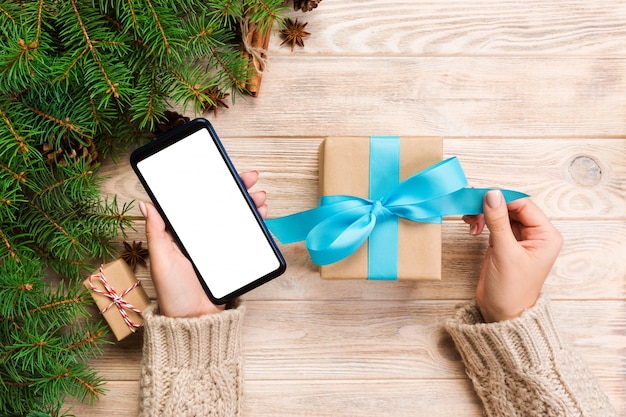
[[342, 223], [384, 170]]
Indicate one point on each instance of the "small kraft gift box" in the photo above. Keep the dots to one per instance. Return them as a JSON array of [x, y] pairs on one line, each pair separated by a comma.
[[119, 297], [368, 167]]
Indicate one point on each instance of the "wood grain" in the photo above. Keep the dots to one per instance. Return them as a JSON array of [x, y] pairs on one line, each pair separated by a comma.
[[576, 274], [430, 96], [347, 398], [488, 27], [568, 178], [388, 340]]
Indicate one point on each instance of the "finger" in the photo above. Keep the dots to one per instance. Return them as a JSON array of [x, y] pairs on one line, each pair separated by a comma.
[[526, 212], [259, 198], [470, 218], [531, 223], [476, 223], [497, 220], [262, 210], [155, 226], [249, 178], [159, 239]]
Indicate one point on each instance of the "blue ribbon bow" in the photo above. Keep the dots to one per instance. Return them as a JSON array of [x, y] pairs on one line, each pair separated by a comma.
[[342, 223]]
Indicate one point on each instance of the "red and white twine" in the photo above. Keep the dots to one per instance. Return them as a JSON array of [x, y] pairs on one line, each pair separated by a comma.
[[117, 299]]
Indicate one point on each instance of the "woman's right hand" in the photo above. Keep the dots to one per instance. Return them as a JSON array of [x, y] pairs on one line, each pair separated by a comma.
[[523, 246]]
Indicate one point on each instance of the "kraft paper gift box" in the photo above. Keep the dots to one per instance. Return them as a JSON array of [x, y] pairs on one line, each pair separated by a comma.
[[123, 318], [345, 169]]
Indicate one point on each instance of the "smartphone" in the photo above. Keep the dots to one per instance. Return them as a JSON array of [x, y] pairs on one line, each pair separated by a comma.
[[208, 211]]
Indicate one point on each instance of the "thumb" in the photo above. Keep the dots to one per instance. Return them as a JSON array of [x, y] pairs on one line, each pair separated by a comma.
[[497, 220], [155, 226]]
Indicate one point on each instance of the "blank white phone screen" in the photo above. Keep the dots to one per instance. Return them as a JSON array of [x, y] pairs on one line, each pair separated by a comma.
[[199, 196]]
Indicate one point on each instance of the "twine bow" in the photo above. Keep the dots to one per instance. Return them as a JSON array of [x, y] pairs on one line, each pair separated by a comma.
[[257, 53], [117, 300]]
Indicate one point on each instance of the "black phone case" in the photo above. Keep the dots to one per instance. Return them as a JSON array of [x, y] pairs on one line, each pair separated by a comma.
[[179, 134]]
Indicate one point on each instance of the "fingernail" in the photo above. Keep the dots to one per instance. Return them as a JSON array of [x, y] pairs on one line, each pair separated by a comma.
[[473, 229], [142, 208], [494, 198]]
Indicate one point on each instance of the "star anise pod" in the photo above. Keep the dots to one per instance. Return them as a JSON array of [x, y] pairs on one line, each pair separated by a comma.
[[134, 253], [217, 100], [294, 33]]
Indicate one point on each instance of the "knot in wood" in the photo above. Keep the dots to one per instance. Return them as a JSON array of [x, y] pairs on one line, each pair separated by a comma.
[[585, 171]]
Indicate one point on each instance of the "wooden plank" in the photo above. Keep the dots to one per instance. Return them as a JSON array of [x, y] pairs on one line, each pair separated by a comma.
[[361, 398], [446, 96], [342, 398], [421, 27], [589, 268], [568, 178], [336, 398], [438, 397], [371, 340]]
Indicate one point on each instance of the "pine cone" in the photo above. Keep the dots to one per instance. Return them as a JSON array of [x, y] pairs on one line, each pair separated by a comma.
[[71, 149], [305, 5], [173, 120]]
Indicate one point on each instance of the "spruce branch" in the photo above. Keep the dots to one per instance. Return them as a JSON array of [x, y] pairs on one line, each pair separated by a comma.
[[65, 123], [19, 176], [39, 21], [9, 246], [6, 14], [90, 45], [160, 26], [21, 145], [54, 223]]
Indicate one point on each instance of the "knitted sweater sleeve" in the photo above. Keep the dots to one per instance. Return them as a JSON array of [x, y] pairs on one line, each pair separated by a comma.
[[191, 367], [522, 367]]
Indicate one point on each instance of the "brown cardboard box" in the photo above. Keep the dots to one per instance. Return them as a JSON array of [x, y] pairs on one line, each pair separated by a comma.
[[120, 277], [344, 169]]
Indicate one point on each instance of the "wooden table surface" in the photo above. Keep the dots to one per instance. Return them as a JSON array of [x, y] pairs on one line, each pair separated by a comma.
[[529, 95]]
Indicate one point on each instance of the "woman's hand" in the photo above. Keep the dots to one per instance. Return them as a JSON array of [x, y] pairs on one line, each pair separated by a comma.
[[178, 290], [523, 246]]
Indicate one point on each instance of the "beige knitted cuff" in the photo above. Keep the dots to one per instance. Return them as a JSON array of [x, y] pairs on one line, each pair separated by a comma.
[[174, 343], [529, 341]]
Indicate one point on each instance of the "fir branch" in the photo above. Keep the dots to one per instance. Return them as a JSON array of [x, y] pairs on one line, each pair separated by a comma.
[[58, 304], [9, 247], [85, 340], [64, 76], [112, 86], [63, 123], [224, 66], [39, 19], [18, 138], [265, 12], [89, 339], [160, 26], [189, 85], [92, 388], [21, 177], [64, 182], [22, 55], [7, 14], [56, 225], [225, 13], [67, 267], [133, 14]]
